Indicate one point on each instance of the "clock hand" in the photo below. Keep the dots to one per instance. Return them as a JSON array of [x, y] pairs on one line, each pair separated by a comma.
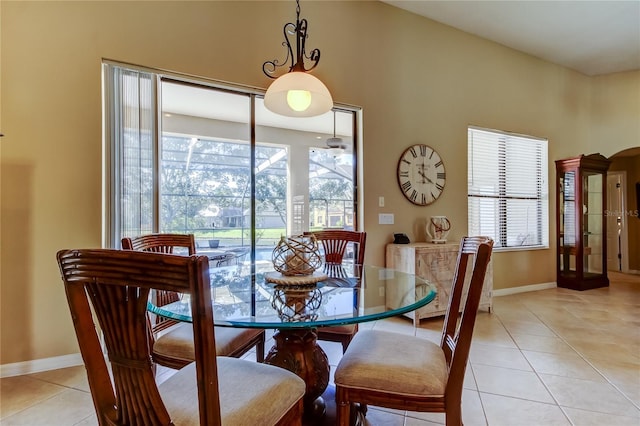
[[425, 176]]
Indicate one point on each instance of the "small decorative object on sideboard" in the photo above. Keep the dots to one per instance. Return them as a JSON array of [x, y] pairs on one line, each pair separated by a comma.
[[438, 228], [296, 255], [400, 239]]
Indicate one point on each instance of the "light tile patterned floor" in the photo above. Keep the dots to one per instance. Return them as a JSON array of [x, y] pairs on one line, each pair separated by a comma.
[[552, 357]]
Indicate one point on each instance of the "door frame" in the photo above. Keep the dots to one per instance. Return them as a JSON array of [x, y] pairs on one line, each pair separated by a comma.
[[613, 210]]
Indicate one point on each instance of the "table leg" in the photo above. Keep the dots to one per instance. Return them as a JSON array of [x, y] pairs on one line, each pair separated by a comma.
[[297, 350]]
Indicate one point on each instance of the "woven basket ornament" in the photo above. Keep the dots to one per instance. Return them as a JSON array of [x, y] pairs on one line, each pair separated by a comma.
[[296, 255]]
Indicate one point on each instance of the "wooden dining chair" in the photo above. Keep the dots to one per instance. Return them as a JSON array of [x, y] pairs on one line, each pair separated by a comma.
[[115, 285], [422, 376], [172, 344], [334, 245]]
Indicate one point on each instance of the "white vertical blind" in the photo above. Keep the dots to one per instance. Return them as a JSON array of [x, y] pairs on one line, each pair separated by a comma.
[[508, 188], [131, 112]]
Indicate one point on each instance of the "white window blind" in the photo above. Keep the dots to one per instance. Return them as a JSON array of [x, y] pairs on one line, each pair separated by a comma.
[[131, 122], [508, 188]]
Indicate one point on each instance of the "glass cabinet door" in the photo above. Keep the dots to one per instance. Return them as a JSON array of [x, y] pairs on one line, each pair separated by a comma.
[[567, 218], [592, 218]]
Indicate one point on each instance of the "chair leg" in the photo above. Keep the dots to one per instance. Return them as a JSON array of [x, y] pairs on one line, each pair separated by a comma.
[[260, 351], [343, 409], [453, 416], [345, 344], [343, 412]]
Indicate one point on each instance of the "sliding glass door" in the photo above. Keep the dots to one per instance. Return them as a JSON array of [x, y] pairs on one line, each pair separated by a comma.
[[205, 179]]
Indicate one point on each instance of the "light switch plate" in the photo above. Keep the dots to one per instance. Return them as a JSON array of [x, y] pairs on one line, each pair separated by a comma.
[[385, 219]]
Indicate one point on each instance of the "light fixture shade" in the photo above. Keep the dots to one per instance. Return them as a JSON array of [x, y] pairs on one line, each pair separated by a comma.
[[276, 97]]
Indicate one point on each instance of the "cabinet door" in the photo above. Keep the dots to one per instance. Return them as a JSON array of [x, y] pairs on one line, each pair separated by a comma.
[[567, 223], [401, 258], [437, 266], [593, 224]]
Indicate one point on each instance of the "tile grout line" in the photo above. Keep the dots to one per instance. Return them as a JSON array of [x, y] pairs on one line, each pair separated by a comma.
[[606, 379], [484, 411], [557, 403]]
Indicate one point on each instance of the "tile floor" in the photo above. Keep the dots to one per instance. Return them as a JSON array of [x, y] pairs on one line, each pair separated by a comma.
[[551, 357]]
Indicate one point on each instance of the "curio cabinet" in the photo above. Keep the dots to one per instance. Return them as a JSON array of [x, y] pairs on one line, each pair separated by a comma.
[[580, 222]]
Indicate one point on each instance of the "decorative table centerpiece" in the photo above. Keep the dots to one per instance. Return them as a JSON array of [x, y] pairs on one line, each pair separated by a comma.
[[296, 260]]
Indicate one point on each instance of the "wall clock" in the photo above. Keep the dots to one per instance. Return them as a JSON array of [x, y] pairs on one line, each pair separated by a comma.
[[421, 174]]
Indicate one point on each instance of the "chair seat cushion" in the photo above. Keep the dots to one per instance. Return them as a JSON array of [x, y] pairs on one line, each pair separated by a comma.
[[250, 393], [394, 363], [177, 342]]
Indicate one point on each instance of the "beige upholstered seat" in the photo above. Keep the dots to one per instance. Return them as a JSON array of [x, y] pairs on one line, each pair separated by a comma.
[[375, 362], [177, 342], [115, 285], [405, 372], [172, 340], [334, 244], [243, 399]]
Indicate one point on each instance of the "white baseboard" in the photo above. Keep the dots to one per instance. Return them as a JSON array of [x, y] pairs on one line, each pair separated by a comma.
[[523, 289], [38, 365]]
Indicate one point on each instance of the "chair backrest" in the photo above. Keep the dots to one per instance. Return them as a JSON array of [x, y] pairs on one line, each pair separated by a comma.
[[161, 243], [458, 330], [335, 242], [117, 284]]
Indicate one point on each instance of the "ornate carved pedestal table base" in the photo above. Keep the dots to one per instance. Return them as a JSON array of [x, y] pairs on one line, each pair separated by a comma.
[[297, 351]]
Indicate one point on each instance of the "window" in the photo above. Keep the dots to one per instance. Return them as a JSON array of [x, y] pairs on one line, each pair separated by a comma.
[[508, 189], [184, 156]]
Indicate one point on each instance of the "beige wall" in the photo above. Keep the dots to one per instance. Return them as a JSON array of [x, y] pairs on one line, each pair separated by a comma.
[[615, 113], [417, 81]]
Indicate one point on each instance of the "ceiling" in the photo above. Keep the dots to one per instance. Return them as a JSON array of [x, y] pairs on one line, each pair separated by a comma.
[[592, 37]]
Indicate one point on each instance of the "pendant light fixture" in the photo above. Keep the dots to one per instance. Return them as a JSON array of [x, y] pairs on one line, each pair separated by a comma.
[[296, 93]]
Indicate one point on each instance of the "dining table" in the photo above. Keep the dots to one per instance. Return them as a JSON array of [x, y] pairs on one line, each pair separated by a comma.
[[253, 295]]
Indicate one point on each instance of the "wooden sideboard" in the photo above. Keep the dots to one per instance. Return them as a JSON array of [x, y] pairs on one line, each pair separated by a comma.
[[435, 263]]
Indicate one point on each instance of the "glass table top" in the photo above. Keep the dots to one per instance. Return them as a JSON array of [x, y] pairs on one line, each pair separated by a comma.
[[350, 294]]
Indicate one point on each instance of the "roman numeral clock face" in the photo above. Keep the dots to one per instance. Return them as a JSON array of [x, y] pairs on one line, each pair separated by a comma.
[[421, 174]]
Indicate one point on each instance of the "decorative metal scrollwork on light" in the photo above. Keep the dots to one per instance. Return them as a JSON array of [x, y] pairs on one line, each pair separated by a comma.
[[296, 93], [299, 30]]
